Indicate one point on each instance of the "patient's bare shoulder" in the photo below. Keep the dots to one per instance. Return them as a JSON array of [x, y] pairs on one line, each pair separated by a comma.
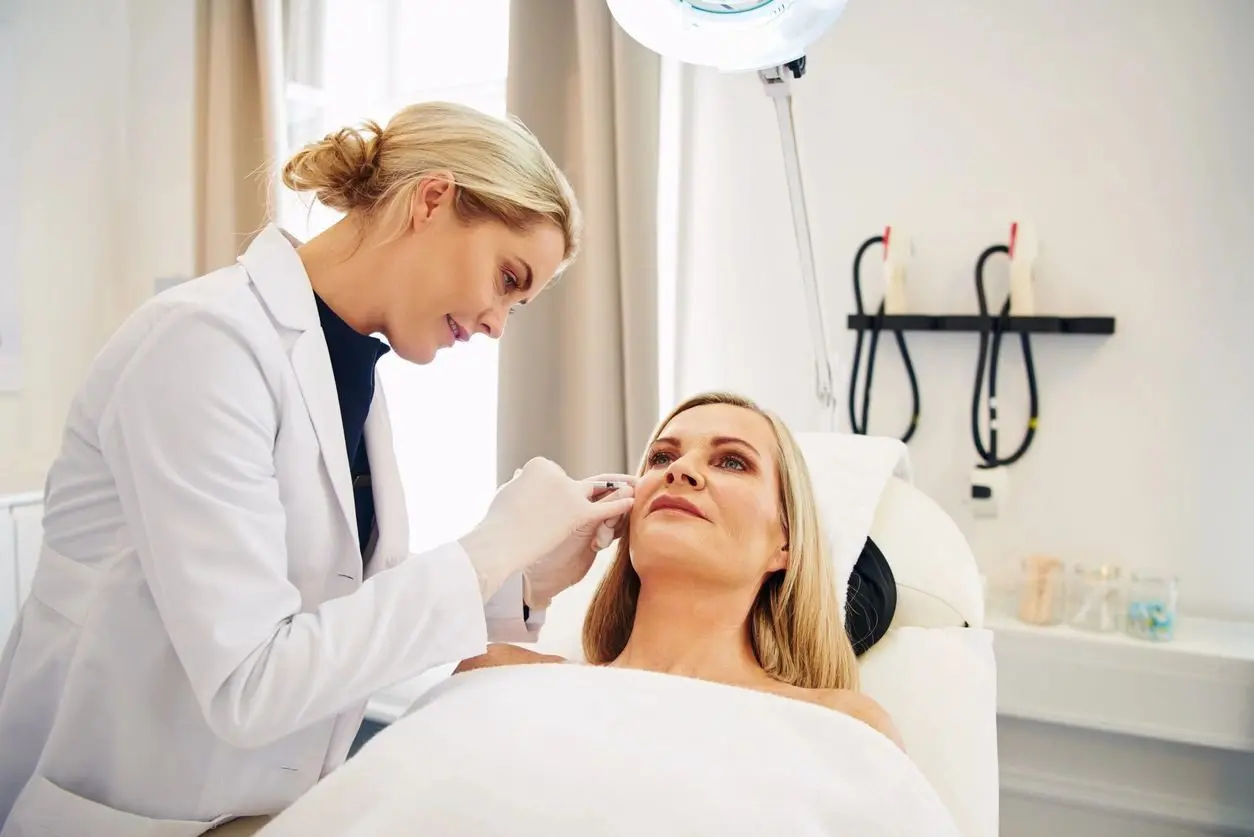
[[862, 707]]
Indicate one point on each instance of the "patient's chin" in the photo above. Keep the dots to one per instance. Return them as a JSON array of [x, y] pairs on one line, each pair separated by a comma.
[[671, 527], [666, 549]]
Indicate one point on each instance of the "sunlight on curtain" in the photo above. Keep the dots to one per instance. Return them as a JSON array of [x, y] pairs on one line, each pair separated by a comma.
[[349, 60]]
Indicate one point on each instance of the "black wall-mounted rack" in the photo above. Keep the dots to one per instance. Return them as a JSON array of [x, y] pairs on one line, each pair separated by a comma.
[[976, 323]]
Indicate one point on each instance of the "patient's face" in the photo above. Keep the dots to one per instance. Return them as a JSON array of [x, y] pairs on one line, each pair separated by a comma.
[[708, 503]]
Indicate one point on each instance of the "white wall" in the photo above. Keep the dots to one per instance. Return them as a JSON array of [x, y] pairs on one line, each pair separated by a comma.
[[1124, 130], [105, 204]]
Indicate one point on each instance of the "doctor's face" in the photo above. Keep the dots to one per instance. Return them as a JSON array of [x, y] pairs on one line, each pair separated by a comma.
[[451, 280], [708, 505]]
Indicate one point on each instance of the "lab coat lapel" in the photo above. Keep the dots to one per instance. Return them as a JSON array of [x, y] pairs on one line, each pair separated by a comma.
[[279, 276], [312, 362], [391, 513]]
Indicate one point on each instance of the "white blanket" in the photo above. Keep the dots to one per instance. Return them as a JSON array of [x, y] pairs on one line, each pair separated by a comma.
[[554, 750]]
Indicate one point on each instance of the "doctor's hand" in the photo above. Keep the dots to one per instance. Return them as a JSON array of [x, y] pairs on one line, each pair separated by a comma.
[[538, 515], [567, 564]]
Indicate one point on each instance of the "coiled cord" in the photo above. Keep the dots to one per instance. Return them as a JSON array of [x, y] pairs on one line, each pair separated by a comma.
[[860, 427], [990, 352]]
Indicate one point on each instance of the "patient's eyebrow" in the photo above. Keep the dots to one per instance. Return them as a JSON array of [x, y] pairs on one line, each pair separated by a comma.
[[671, 441], [732, 440]]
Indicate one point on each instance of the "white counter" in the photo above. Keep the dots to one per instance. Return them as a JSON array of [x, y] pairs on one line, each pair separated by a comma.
[[1197, 689]]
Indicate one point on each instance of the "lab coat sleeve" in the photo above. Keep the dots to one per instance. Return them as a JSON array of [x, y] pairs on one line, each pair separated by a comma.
[[504, 612], [189, 437]]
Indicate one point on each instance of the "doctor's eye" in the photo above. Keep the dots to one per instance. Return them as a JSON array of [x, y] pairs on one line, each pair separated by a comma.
[[509, 281], [738, 462]]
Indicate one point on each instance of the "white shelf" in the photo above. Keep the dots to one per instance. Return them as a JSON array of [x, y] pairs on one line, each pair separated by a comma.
[[1197, 689]]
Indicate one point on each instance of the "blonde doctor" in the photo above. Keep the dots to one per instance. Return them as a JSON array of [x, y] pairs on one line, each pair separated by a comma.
[[225, 576]]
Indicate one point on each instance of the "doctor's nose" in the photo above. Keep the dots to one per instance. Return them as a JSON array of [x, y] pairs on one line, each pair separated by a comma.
[[493, 322], [681, 471]]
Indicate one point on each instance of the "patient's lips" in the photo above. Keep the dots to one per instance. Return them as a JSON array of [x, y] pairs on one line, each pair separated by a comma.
[[670, 502]]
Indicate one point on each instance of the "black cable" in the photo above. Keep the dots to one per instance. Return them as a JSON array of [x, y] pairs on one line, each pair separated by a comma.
[[860, 427], [988, 360]]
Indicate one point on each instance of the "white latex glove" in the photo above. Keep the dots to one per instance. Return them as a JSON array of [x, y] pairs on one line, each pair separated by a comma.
[[531, 516], [567, 564]]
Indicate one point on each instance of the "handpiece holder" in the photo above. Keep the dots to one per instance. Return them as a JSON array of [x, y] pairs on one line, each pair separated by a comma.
[[778, 84]]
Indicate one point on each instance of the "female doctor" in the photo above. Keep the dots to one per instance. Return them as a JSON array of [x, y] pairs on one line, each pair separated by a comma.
[[224, 578]]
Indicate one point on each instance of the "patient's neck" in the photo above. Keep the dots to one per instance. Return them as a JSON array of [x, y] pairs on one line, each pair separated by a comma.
[[688, 629]]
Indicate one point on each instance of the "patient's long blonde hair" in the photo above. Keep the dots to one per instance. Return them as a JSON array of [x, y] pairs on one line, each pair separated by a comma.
[[794, 624]]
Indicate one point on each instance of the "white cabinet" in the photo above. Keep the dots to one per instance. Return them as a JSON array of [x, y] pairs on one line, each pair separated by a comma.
[[21, 532]]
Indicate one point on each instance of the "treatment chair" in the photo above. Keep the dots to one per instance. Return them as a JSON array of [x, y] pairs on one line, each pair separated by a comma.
[[934, 670]]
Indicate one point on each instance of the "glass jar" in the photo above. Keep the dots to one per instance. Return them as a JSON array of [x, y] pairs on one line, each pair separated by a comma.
[[1151, 613], [1095, 598], [1041, 590]]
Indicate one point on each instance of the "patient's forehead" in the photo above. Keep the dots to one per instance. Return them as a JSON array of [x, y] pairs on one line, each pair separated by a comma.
[[705, 424]]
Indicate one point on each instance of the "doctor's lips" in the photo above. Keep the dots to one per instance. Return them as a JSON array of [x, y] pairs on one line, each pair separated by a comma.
[[670, 501], [459, 334]]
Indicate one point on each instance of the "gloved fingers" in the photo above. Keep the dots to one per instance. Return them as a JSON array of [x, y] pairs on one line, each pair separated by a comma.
[[622, 493], [610, 508], [610, 530], [604, 536]]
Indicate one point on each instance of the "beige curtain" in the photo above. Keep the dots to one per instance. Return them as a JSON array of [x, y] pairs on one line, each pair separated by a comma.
[[578, 374], [238, 124]]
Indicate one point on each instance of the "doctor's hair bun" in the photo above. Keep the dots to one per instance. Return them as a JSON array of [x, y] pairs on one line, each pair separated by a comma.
[[341, 169], [499, 170]]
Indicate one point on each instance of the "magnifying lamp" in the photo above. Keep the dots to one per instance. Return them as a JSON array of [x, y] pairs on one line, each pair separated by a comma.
[[771, 38]]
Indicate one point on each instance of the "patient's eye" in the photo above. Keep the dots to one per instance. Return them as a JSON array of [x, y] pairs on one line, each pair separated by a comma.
[[737, 462], [658, 457]]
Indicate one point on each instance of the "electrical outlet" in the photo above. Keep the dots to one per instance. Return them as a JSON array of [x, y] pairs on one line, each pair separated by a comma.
[[990, 488]]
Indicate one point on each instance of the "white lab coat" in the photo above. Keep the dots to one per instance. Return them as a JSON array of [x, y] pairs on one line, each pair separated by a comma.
[[199, 641]]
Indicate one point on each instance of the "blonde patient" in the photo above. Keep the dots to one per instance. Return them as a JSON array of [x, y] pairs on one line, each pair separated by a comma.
[[722, 573]]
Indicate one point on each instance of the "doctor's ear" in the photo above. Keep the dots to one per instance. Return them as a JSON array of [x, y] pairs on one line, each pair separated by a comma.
[[433, 193]]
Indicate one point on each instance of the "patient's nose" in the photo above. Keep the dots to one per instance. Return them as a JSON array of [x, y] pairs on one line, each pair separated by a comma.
[[681, 472]]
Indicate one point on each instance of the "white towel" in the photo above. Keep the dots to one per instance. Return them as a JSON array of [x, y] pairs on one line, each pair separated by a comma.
[[557, 750], [849, 473]]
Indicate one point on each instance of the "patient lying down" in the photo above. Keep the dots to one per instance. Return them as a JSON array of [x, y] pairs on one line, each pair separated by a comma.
[[722, 574], [720, 694]]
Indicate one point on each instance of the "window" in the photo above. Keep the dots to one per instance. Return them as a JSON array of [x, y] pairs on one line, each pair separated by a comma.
[[670, 122], [349, 60]]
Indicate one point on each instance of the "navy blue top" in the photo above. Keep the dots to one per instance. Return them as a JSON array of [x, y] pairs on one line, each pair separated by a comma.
[[353, 358]]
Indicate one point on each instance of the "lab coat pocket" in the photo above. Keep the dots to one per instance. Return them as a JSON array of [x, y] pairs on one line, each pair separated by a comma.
[[44, 809]]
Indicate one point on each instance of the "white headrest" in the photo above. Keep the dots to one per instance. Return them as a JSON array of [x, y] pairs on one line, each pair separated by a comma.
[[848, 474], [862, 486], [938, 581]]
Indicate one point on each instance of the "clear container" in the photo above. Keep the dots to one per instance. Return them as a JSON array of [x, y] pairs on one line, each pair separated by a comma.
[[1151, 613], [1095, 598], [1042, 588]]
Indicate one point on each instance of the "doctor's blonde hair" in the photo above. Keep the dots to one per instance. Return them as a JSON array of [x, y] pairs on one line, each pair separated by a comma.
[[794, 624], [501, 171]]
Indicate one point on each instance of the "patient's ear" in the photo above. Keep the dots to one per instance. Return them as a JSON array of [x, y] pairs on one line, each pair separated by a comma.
[[779, 561]]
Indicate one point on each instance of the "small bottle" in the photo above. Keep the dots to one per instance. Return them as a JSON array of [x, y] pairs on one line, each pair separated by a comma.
[[1152, 608], [1095, 598], [1041, 589]]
